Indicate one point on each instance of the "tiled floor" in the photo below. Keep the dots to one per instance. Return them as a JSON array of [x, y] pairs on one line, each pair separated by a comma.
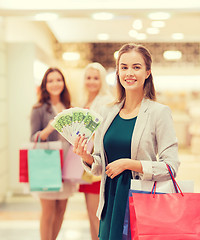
[[29, 229], [19, 215], [19, 219]]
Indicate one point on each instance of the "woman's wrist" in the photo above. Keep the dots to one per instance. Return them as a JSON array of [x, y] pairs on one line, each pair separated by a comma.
[[88, 159], [134, 165], [88, 165], [45, 133]]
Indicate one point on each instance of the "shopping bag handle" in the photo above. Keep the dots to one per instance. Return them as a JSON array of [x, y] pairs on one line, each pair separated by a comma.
[[176, 186], [37, 140], [174, 181]]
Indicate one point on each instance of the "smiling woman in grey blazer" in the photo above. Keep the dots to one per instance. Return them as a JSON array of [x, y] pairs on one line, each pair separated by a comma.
[[135, 140], [53, 98]]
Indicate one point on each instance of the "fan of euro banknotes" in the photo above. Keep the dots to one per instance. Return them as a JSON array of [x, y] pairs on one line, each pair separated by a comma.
[[74, 121]]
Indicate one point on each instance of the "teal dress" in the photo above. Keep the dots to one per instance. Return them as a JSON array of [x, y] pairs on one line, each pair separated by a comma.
[[117, 144]]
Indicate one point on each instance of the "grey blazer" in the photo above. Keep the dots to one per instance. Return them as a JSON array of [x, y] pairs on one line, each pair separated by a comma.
[[40, 118], [154, 144]]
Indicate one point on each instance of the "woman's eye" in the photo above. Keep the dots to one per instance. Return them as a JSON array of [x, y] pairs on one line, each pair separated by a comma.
[[136, 67]]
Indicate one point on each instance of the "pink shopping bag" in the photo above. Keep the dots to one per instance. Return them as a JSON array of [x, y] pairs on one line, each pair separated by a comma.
[[170, 216], [72, 167]]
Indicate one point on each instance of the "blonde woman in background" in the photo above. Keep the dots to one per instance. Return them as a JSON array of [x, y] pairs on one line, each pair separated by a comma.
[[96, 95], [96, 90]]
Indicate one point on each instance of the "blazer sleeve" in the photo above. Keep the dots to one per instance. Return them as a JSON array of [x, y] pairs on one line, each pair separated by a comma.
[[36, 123], [166, 146]]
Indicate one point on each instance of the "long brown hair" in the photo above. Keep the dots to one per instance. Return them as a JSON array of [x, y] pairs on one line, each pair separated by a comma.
[[43, 95], [149, 90]]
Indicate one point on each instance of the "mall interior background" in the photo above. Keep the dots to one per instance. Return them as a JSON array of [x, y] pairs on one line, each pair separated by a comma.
[[28, 48]]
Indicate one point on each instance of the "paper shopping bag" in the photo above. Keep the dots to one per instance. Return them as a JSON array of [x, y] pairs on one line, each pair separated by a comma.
[[23, 165], [174, 216], [44, 170], [72, 168], [165, 216], [127, 226], [147, 187], [23, 156]]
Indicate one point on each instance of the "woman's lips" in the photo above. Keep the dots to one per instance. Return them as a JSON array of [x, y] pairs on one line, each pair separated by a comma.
[[130, 80]]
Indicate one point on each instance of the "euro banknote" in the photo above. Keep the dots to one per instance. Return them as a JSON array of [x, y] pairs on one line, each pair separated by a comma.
[[74, 121]]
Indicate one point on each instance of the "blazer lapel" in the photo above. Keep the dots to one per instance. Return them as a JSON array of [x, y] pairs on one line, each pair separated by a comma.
[[139, 127]]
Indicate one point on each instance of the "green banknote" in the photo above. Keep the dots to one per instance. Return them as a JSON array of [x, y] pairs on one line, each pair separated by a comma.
[[74, 121], [63, 124], [78, 115], [89, 124]]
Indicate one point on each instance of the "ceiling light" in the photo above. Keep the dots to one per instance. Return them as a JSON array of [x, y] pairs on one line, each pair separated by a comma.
[[172, 55], [177, 36], [141, 36], [132, 33], [71, 56], [45, 16], [102, 16], [103, 36], [153, 30], [137, 24], [157, 24], [159, 16]]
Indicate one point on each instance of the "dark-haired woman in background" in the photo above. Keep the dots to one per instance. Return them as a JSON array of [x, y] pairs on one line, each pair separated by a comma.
[[53, 97]]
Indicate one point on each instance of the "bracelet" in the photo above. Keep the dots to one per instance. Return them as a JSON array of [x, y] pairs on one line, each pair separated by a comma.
[[88, 165]]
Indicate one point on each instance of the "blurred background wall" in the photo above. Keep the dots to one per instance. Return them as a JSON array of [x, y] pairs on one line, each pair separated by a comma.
[[4, 170], [29, 46]]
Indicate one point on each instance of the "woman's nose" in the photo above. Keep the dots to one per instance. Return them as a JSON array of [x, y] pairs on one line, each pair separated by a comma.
[[130, 72]]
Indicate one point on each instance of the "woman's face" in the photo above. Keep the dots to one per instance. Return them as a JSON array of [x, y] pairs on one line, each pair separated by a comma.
[[55, 83], [132, 71], [92, 80]]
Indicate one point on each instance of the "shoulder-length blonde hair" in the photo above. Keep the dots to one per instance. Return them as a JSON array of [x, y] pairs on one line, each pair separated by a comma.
[[43, 95], [104, 87], [149, 90]]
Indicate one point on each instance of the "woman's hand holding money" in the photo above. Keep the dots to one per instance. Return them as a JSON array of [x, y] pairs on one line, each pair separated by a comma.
[[80, 148]]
